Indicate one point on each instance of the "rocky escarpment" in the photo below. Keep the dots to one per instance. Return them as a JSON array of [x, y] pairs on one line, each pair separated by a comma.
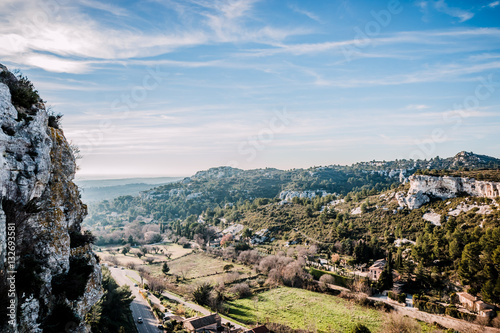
[[423, 188], [49, 276]]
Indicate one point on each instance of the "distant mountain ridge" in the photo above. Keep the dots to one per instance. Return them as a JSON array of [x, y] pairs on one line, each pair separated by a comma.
[[224, 185]]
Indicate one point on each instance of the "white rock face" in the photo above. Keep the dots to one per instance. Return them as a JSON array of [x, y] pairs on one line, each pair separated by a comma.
[[356, 211], [463, 207], [422, 188], [289, 195], [38, 196], [433, 218]]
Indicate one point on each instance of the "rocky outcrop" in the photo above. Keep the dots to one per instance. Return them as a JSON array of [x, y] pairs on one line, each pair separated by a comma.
[[49, 275], [289, 195], [424, 188]]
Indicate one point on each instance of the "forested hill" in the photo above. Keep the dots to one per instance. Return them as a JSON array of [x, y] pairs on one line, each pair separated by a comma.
[[220, 186]]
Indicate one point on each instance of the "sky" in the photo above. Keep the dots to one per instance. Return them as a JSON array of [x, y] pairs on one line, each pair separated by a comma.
[[169, 87]]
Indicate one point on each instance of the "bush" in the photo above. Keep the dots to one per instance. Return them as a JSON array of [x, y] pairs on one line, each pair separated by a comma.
[[55, 120], [360, 328], [22, 91], [76, 239], [402, 298], [396, 323], [241, 290], [325, 280]]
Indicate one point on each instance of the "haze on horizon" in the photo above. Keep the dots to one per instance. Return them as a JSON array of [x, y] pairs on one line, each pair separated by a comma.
[[171, 87]]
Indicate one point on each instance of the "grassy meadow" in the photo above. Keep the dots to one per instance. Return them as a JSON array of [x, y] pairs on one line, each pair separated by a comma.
[[299, 308]]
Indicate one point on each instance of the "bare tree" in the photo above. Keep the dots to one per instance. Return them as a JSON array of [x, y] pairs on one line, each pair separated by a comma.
[[241, 290], [144, 250], [168, 254]]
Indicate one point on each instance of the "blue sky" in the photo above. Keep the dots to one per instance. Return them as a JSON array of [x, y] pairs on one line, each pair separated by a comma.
[[169, 87]]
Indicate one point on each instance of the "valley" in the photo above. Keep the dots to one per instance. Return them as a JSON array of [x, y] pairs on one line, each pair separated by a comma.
[[222, 236]]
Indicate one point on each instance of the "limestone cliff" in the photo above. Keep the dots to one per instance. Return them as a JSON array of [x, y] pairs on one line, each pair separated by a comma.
[[49, 276], [423, 188]]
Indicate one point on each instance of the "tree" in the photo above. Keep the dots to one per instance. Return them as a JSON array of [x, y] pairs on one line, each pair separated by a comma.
[[247, 233], [165, 269], [364, 207], [470, 263], [385, 280], [113, 310], [226, 240], [125, 250], [131, 240], [201, 294], [144, 250]]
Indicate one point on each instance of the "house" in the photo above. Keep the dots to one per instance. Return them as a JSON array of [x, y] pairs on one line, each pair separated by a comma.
[[323, 261], [259, 329], [484, 309], [376, 269], [208, 323], [472, 303], [467, 300]]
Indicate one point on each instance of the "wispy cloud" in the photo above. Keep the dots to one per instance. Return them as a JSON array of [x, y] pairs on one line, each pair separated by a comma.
[[309, 14], [493, 4], [117, 11], [74, 39], [461, 14], [433, 37]]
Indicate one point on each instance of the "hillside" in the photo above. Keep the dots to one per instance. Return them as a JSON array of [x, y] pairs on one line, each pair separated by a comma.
[[444, 245], [220, 186]]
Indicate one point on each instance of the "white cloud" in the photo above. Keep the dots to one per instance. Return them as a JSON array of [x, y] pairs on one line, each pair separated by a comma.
[[462, 15], [417, 107], [493, 4], [66, 32], [312, 16], [117, 11]]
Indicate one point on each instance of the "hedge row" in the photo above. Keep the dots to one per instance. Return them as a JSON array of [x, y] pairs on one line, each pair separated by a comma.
[[400, 298], [452, 311]]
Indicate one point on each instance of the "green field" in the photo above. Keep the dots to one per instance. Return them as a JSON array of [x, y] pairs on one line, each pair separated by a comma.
[[299, 308], [199, 264]]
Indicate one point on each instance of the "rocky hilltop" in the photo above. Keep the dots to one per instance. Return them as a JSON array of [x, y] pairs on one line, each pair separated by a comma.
[[423, 188], [50, 277]]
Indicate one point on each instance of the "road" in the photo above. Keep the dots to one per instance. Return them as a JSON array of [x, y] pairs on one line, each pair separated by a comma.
[[139, 306], [122, 276]]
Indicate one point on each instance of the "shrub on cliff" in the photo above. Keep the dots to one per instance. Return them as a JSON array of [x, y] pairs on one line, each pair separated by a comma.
[[22, 91]]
